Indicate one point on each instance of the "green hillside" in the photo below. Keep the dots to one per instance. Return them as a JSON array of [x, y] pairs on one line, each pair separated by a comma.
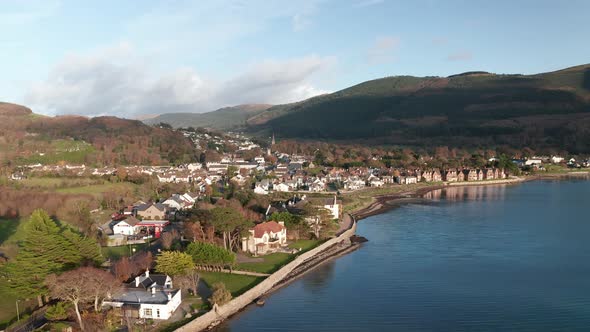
[[543, 111], [223, 119], [28, 138]]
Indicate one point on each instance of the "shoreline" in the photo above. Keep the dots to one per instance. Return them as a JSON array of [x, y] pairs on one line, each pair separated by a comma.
[[385, 202], [342, 245]]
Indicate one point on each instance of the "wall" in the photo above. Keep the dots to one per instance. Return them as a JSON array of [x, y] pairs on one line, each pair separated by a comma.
[[257, 291]]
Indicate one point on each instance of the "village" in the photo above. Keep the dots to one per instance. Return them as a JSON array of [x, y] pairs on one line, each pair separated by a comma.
[[302, 206]]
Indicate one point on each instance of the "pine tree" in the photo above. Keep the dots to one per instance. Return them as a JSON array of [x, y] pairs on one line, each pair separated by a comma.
[[46, 248]]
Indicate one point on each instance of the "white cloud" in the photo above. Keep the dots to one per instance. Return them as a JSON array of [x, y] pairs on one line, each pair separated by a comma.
[[460, 56], [367, 3], [383, 50], [115, 81]]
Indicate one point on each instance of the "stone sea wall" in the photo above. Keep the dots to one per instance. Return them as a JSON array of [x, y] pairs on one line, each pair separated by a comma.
[[237, 304]]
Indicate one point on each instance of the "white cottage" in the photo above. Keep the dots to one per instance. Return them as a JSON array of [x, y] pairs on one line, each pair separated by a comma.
[[148, 296]]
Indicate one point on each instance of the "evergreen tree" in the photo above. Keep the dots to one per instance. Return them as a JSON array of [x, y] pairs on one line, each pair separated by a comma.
[[46, 248]]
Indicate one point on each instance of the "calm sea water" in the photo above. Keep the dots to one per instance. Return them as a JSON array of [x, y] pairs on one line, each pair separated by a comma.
[[501, 258]]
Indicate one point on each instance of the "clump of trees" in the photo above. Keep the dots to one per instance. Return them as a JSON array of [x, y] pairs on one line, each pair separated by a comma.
[[82, 286]]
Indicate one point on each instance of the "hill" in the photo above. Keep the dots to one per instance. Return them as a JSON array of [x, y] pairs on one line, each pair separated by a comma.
[[223, 119], [542, 111], [26, 137]]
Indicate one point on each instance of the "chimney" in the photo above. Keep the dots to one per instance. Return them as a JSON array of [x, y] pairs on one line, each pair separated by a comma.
[[169, 296], [153, 291], [147, 273], [136, 281]]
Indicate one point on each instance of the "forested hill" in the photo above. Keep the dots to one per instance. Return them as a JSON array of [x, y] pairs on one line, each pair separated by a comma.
[[26, 137], [543, 111], [223, 118]]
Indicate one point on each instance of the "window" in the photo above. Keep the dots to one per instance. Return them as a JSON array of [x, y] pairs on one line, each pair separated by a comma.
[[147, 312], [158, 313]]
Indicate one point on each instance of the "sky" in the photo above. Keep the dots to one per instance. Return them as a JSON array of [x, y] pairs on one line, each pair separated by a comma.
[[140, 58]]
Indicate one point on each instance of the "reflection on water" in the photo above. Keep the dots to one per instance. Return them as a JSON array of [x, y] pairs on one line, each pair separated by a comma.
[[471, 193]]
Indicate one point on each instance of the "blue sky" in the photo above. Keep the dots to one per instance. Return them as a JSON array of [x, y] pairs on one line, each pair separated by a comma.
[[137, 58]]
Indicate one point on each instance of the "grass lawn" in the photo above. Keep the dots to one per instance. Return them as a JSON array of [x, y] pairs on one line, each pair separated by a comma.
[[235, 283], [305, 245], [115, 253], [271, 263], [7, 228], [8, 307]]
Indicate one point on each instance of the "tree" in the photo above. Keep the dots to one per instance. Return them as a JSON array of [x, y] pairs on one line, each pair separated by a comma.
[[220, 294], [82, 285], [189, 281], [206, 254], [47, 248], [56, 312], [322, 224], [174, 263], [231, 224], [102, 284], [168, 238], [142, 261], [72, 287], [295, 224], [122, 269]]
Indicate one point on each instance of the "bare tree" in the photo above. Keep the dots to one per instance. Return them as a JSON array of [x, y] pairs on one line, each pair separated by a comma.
[[71, 286], [122, 269]]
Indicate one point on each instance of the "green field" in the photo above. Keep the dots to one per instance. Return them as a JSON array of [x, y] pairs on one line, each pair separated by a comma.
[[305, 245], [74, 185], [271, 263], [237, 284], [70, 151], [97, 188], [115, 253]]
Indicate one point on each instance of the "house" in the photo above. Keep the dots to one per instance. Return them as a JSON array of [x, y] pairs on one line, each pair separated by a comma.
[[533, 162], [452, 176], [470, 175], [265, 237], [556, 159], [353, 183], [334, 206], [174, 202], [376, 182], [126, 226], [152, 211], [407, 179], [283, 187], [147, 297]]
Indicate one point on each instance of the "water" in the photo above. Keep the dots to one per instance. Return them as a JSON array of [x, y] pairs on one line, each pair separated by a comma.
[[501, 258]]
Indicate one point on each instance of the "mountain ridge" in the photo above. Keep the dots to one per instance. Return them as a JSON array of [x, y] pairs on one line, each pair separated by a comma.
[[547, 111]]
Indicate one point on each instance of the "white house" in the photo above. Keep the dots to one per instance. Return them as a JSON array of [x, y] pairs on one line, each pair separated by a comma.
[[260, 191], [283, 187], [333, 205], [533, 162], [126, 226], [148, 296], [556, 159], [265, 237]]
